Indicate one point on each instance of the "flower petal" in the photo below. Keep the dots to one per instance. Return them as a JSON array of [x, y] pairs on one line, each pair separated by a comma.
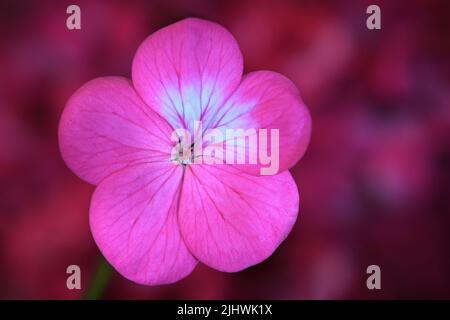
[[231, 220], [268, 100], [105, 127], [187, 70], [133, 219]]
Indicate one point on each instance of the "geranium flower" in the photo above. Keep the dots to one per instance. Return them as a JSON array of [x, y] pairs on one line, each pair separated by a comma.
[[154, 218]]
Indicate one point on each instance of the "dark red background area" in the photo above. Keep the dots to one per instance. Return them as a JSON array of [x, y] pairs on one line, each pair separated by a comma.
[[374, 183]]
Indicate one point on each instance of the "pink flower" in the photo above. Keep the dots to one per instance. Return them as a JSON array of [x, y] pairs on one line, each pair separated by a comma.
[[152, 218]]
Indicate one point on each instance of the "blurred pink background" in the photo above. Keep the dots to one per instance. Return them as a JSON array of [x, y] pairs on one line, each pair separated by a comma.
[[374, 184]]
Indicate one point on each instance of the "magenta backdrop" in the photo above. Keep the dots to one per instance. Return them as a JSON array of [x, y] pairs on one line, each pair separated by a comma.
[[374, 183]]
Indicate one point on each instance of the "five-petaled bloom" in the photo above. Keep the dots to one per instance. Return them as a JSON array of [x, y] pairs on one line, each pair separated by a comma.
[[154, 218]]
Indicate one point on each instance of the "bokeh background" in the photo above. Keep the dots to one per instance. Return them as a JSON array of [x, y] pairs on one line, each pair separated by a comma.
[[374, 184]]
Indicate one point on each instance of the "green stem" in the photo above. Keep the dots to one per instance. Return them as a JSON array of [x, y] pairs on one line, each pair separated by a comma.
[[100, 280]]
